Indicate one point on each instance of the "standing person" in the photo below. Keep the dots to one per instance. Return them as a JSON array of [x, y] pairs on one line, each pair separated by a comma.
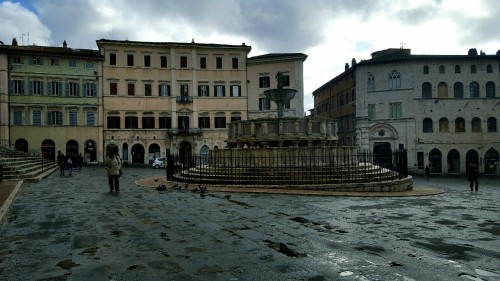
[[113, 166], [61, 160], [69, 163], [80, 161], [427, 171], [473, 176]]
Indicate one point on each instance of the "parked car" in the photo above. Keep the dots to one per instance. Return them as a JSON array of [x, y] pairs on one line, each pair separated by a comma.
[[159, 162]]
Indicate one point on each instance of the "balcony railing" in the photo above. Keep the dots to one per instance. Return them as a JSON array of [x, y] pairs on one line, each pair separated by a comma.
[[190, 131], [184, 99]]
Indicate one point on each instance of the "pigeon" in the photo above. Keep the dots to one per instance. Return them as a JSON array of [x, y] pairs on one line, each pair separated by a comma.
[[227, 196]]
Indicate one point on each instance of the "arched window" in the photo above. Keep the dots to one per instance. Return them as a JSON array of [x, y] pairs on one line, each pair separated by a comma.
[[371, 82], [476, 124], [426, 90], [492, 125], [474, 90], [490, 89], [427, 125], [426, 69], [443, 125], [458, 90], [442, 90], [489, 68], [394, 80], [441, 69], [459, 125], [473, 69], [458, 69]]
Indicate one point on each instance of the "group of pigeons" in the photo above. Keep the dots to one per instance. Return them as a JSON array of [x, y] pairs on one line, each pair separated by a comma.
[[201, 189]]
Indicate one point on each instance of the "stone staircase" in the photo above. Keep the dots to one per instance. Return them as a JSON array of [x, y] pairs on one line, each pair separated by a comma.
[[25, 166]]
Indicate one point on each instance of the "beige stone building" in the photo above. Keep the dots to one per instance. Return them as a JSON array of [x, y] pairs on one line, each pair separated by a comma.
[[261, 76], [171, 97]]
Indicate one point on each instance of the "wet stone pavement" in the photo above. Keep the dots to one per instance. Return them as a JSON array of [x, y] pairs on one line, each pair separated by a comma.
[[72, 228]]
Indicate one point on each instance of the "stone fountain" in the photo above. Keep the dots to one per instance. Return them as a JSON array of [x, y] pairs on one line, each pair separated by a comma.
[[291, 153]]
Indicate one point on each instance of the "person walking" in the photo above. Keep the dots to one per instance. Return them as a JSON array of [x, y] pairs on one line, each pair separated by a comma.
[[80, 161], [473, 176], [61, 160], [427, 171], [113, 166], [69, 163]]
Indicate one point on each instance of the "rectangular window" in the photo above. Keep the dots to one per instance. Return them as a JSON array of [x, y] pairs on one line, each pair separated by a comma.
[[163, 61], [235, 118], [72, 63], [73, 118], [148, 122], [55, 88], [54, 118], [113, 122], [112, 59], [204, 122], [147, 90], [54, 62], [203, 91], [395, 110], [17, 87], [264, 104], [37, 61], [89, 64], [113, 88], [36, 87], [165, 122], [131, 89], [90, 118], [147, 61], [184, 61], [72, 89], [131, 122], [220, 122], [183, 123], [17, 60], [371, 111], [130, 60], [264, 82], [36, 117], [235, 63], [89, 89], [17, 117], [163, 90], [203, 62], [184, 90], [219, 91], [218, 62], [235, 91]]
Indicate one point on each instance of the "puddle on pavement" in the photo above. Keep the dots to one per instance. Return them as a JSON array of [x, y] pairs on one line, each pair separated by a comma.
[[452, 251], [284, 249], [317, 225]]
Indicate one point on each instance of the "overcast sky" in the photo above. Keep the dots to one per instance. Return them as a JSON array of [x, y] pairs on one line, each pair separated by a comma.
[[330, 32]]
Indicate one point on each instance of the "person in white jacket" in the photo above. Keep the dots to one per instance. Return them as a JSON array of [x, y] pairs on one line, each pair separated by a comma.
[[113, 166]]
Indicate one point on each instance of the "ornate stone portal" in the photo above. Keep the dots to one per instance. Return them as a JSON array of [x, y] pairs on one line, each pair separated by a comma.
[[292, 153]]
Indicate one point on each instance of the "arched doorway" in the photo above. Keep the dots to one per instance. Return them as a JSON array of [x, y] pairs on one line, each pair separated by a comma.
[[453, 161], [137, 154], [49, 149], [21, 145], [154, 152], [185, 153], [471, 156], [491, 162], [90, 151], [382, 154], [204, 154], [435, 160], [72, 147]]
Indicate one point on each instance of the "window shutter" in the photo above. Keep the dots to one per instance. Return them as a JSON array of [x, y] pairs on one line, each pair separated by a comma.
[[31, 87], [11, 87], [239, 91], [59, 118], [224, 91], [77, 89], [22, 87], [59, 88], [94, 86], [49, 87], [85, 85], [67, 88], [41, 88]]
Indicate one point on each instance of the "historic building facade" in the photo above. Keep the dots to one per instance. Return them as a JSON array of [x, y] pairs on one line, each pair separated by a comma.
[[337, 99], [51, 100], [442, 108], [261, 76]]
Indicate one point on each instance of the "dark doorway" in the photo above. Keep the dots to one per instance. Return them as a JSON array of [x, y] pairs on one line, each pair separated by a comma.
[[435, 161], [185, 153], [138, 154], [21, 145], [72, 147], [491, 162], [90, 151], [453, 161], [471, 156], [48, 149], [383, 154]]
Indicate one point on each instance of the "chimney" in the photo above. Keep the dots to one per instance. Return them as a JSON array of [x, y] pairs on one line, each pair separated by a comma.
[[353, 62], [65, 45], [346, 66], [14, 42]]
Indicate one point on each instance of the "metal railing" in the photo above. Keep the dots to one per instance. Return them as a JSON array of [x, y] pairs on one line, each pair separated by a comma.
[[290, 169]]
